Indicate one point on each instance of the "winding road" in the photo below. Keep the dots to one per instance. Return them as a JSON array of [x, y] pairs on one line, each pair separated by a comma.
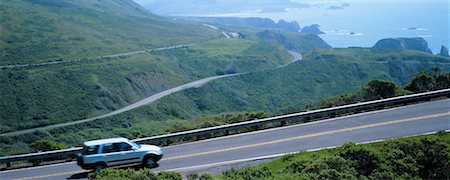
[[218, 154], [94, 58], [146, 101], [140, 103]]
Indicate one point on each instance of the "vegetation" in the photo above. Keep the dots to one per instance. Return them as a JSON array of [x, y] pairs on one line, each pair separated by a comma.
[[378, 89], [299, 42], [423, 81], [76, 135], [47, 30], [46, 145], [321, 74], [420, 157], [283, 90], [115, 174], [45, 95], [42, 96]]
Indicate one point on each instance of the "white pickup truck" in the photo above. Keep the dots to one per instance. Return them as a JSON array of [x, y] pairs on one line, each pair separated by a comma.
[[99, 154]]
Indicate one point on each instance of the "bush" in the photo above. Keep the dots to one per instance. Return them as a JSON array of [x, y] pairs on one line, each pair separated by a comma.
[[205, 177], [423, 81], [167, 175], [46, 145], [113, 174], [248, 173], [377, 89], [364, 160], [192, 176]]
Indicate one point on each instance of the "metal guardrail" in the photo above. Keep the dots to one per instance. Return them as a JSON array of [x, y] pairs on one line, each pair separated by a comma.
[[278, 119]]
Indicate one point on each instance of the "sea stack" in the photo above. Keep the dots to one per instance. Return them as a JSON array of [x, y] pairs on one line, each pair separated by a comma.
[[418, 44], [444, 52]]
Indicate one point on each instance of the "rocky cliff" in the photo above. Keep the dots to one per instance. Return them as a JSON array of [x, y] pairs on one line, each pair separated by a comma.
[[444, 52], [418, 43], [255, 22], [312, 29]]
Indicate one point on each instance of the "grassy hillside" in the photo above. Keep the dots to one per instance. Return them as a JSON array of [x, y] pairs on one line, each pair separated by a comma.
[[295, 41], [76, 32], [320, 74], [38, 96], [35, 31]]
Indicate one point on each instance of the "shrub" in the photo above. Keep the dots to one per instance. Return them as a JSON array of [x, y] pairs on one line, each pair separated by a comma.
[[113, 174], [363, 159], [376, 89], [167, 175], [248, 173], [205, 177], [46, 145]]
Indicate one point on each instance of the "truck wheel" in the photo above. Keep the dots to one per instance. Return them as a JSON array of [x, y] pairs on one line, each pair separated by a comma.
[[99, 166], [149, 162]]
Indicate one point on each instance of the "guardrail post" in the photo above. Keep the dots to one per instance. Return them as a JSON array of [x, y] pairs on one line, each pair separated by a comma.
[[8, 164]]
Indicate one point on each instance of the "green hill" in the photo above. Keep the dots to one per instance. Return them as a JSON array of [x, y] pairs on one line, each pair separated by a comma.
[[78, 35], [44, 95], [35, 31], [321, 73]]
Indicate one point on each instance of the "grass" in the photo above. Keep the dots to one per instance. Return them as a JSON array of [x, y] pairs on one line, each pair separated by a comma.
[[42, 31], [383, 152], [278, 164], [33, 97], [220, 47], [321, 74]]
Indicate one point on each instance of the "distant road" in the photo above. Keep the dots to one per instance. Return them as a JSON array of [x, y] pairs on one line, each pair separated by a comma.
[[297, 56], [209, 155], [216, 28], [95, 58]]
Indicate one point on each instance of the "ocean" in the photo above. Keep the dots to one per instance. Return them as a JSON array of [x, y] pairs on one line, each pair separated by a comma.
[[361, 23]]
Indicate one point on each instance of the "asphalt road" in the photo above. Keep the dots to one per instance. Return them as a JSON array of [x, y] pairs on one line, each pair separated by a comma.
[[378, 125]]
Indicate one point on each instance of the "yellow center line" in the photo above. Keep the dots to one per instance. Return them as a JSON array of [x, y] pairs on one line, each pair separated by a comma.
[[308, 136], [269, 142]]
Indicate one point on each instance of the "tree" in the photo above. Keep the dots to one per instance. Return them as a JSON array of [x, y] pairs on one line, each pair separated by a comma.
[[363, 159], [442, 81], [376, 89], [421, 82], [46, 145]]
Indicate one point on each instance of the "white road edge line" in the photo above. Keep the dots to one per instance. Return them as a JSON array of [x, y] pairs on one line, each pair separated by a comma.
[[191, 168], [38, 167]]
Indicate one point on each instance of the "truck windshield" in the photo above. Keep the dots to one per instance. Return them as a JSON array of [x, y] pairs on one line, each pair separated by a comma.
[[134, 144]]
